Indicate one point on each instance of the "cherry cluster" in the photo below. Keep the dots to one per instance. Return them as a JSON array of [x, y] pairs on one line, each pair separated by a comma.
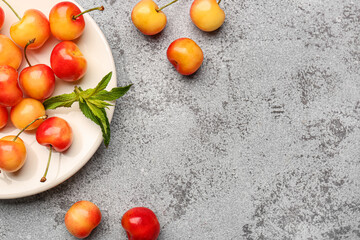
[[22, 95], [140, 223], [184, 54]]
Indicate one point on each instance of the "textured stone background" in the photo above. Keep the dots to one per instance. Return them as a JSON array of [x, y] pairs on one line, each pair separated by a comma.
[[261, 143]]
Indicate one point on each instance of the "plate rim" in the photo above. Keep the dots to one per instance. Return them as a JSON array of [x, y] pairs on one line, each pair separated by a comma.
[[98, 141]]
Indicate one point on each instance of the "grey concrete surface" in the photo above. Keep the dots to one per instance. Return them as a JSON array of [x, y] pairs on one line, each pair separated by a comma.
[[261, 143]]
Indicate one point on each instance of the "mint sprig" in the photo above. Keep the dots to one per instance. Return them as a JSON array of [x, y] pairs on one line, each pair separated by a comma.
[[92, 103]]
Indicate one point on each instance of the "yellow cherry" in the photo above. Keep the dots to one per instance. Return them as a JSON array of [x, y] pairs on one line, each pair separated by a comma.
[[148, 17], [10, 54], [33, 24], [207, 15]]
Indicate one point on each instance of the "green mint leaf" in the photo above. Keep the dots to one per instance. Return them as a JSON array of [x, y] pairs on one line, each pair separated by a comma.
[[64, 100], [91, 91], [112, 95], [99, 103], [87, 112], [103, 83], [107, 130], [92, 103], [87, 93], [81, 93], [103, 120]]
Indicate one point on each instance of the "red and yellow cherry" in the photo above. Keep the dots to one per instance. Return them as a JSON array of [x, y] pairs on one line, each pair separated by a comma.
[[148, 17], [37, 81], [67, 21], [26, 111], [33, 24], [185, 55], [207, 14], [82, 218], [141, 223], [10, 92], [4, 116], [2, 17], [10, 54], [56, 134], [67, 61], [13, 150], [12, 153]]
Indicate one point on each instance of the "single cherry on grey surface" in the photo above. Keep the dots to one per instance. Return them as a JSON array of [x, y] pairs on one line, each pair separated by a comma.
[[140, 223], [148, 17], [185, 55], [207, 14], [82, 218]]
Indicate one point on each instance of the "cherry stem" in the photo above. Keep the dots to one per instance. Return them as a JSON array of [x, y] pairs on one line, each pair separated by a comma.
[[17, 15], [219, 2], [158, 10], [39, 118], [89, 10], [26, 46], [43, 179]]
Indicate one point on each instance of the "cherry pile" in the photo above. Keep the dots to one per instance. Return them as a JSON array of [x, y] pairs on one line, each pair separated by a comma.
[[184, 54], [22, 94]]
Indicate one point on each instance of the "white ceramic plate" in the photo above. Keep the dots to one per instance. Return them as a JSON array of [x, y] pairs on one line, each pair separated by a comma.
[[87, 135]]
